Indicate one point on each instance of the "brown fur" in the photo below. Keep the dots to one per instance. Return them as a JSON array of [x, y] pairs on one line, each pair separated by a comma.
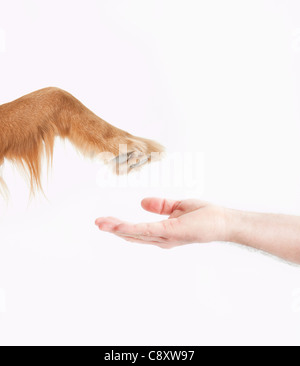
[[29, 125]]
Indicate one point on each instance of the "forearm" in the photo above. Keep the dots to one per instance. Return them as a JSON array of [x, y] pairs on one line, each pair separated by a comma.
[[276, 234]]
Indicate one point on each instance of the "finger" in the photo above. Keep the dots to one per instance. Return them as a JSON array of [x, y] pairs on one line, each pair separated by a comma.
[[138, 240], [147, 242], [108, 223], [158, 239], [159, 205], [156, 229]]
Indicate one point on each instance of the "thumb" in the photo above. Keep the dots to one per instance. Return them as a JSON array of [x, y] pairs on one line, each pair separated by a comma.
[[160, 206]]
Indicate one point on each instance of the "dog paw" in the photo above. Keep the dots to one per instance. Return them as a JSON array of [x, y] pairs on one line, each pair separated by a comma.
[[135, 154]]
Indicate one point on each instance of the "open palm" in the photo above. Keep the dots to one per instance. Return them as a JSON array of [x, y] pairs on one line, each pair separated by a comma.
[[190, 221]]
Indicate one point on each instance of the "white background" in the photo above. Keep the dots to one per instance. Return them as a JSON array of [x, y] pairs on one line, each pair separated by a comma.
[[220, 78]]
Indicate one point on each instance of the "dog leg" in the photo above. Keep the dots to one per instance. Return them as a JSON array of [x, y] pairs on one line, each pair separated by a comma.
[[94, 136], [29, 125], [3, 187]]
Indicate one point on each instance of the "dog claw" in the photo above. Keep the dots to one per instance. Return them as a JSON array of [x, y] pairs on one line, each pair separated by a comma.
[[140, 163], [122, 159], [124, 163]]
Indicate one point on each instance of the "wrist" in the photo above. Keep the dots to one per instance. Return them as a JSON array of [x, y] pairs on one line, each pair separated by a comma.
[[241, 225], [228, 224], [234, 220]]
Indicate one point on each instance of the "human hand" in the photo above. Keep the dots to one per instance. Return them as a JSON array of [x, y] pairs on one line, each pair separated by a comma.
[[190, 221]]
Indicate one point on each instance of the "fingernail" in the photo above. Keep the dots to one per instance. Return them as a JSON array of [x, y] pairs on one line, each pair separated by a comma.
[[106, 227]]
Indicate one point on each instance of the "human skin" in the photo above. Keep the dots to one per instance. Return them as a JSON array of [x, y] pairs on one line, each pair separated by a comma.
[[194, 221]]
